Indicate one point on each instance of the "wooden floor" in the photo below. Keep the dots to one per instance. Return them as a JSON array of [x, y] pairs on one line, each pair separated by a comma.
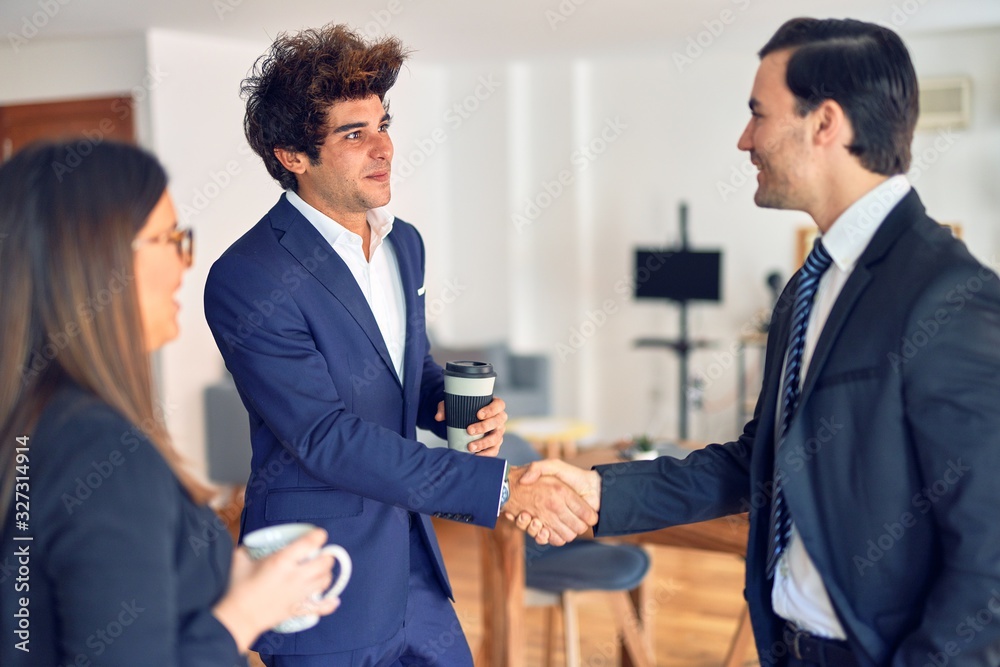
[[698, 594]]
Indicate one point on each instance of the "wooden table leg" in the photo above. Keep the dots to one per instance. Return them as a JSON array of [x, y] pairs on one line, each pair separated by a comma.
[[645, 613], [737, 653], [503, 597], [635, 647]]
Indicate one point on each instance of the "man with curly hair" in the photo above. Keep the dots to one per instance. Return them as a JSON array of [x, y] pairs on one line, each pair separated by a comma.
[[318, 311]]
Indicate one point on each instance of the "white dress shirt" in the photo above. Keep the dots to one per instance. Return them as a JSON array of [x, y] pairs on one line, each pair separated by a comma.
[[378, 278], [799, 594]]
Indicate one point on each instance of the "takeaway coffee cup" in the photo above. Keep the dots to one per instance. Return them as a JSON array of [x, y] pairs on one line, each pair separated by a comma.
[[266, 541], [468, 388]]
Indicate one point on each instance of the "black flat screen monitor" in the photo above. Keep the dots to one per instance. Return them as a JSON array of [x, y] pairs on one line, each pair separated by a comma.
[[677, 275]]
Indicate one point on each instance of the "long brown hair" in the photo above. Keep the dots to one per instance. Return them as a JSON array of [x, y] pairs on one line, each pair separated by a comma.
[[68, 302]]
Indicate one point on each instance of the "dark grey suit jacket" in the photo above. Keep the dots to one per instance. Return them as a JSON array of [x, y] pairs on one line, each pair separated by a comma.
[[122, 568], [893, 458]]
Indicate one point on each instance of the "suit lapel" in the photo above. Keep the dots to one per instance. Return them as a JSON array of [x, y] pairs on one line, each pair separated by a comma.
[[855, 285], [901, 217], [308, 246], [408, 275], [762, 463], [780, 325]]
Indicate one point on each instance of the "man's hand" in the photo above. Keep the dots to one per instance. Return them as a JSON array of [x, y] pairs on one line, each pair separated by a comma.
[[493, 420], [557, 507], [586, 483]]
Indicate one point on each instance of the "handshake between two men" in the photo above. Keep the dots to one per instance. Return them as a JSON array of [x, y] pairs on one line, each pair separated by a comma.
[[553, 501]]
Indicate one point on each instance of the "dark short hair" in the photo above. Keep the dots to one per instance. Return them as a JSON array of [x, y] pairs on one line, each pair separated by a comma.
[[866, 69], [292, 86]]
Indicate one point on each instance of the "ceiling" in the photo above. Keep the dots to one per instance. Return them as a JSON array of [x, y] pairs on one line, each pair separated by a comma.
[[449, 30]]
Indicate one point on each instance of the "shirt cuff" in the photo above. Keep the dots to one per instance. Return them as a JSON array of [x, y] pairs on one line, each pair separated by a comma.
[[504, 489]]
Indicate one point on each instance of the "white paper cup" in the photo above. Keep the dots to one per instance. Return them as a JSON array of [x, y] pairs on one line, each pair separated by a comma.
[[468, 388]]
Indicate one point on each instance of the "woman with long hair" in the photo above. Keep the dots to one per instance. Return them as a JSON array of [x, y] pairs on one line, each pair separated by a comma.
[[109, 553]]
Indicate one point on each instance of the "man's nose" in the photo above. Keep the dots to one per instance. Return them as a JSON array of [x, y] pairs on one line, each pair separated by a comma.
[[744, 143], [382, 146]]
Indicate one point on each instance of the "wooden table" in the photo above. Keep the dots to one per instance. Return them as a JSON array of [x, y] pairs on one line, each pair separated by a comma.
[[503, 572]]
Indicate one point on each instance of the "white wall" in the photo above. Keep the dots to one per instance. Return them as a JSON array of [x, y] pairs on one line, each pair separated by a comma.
[[958, 173], [422, 131], [599, 154], [219, 188], [44, 70]]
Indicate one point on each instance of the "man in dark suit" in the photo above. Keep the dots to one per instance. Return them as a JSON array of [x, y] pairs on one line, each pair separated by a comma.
[[869, 468], [318, 311]]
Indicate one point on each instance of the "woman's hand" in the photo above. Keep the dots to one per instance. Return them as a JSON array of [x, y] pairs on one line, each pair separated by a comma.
[[268, 591]]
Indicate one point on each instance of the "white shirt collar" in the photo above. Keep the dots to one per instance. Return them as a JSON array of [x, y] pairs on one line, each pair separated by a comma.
[[850, 234], [379, 219]]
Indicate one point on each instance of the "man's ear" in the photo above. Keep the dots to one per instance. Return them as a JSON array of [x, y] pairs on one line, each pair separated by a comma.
[[293, 161], [830, 125]]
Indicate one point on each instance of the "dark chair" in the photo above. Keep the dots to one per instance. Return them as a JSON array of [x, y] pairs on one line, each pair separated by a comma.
[[553, 575]]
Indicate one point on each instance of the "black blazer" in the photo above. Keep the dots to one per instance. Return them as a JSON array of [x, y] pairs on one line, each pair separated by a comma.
[[892, 460], [123, 568]]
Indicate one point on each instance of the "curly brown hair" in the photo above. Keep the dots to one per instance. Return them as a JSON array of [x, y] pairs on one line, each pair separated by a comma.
[[293, 85]]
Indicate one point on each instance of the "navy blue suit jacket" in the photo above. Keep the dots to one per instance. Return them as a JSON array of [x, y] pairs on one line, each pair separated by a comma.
[[892, 459], [332, 427]]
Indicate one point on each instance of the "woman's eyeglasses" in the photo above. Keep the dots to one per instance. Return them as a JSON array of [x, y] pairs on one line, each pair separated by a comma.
[[182, 238]]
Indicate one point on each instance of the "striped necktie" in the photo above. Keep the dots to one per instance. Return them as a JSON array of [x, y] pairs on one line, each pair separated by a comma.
[[810, 273]]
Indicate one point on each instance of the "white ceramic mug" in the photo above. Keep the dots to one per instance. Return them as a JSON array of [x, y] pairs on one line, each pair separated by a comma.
[[266, 541]]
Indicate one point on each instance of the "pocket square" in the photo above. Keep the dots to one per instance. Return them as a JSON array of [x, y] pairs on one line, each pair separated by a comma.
[[421, 291]]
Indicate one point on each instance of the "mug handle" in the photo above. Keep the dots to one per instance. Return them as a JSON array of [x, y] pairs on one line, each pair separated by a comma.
[[342, 557]]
